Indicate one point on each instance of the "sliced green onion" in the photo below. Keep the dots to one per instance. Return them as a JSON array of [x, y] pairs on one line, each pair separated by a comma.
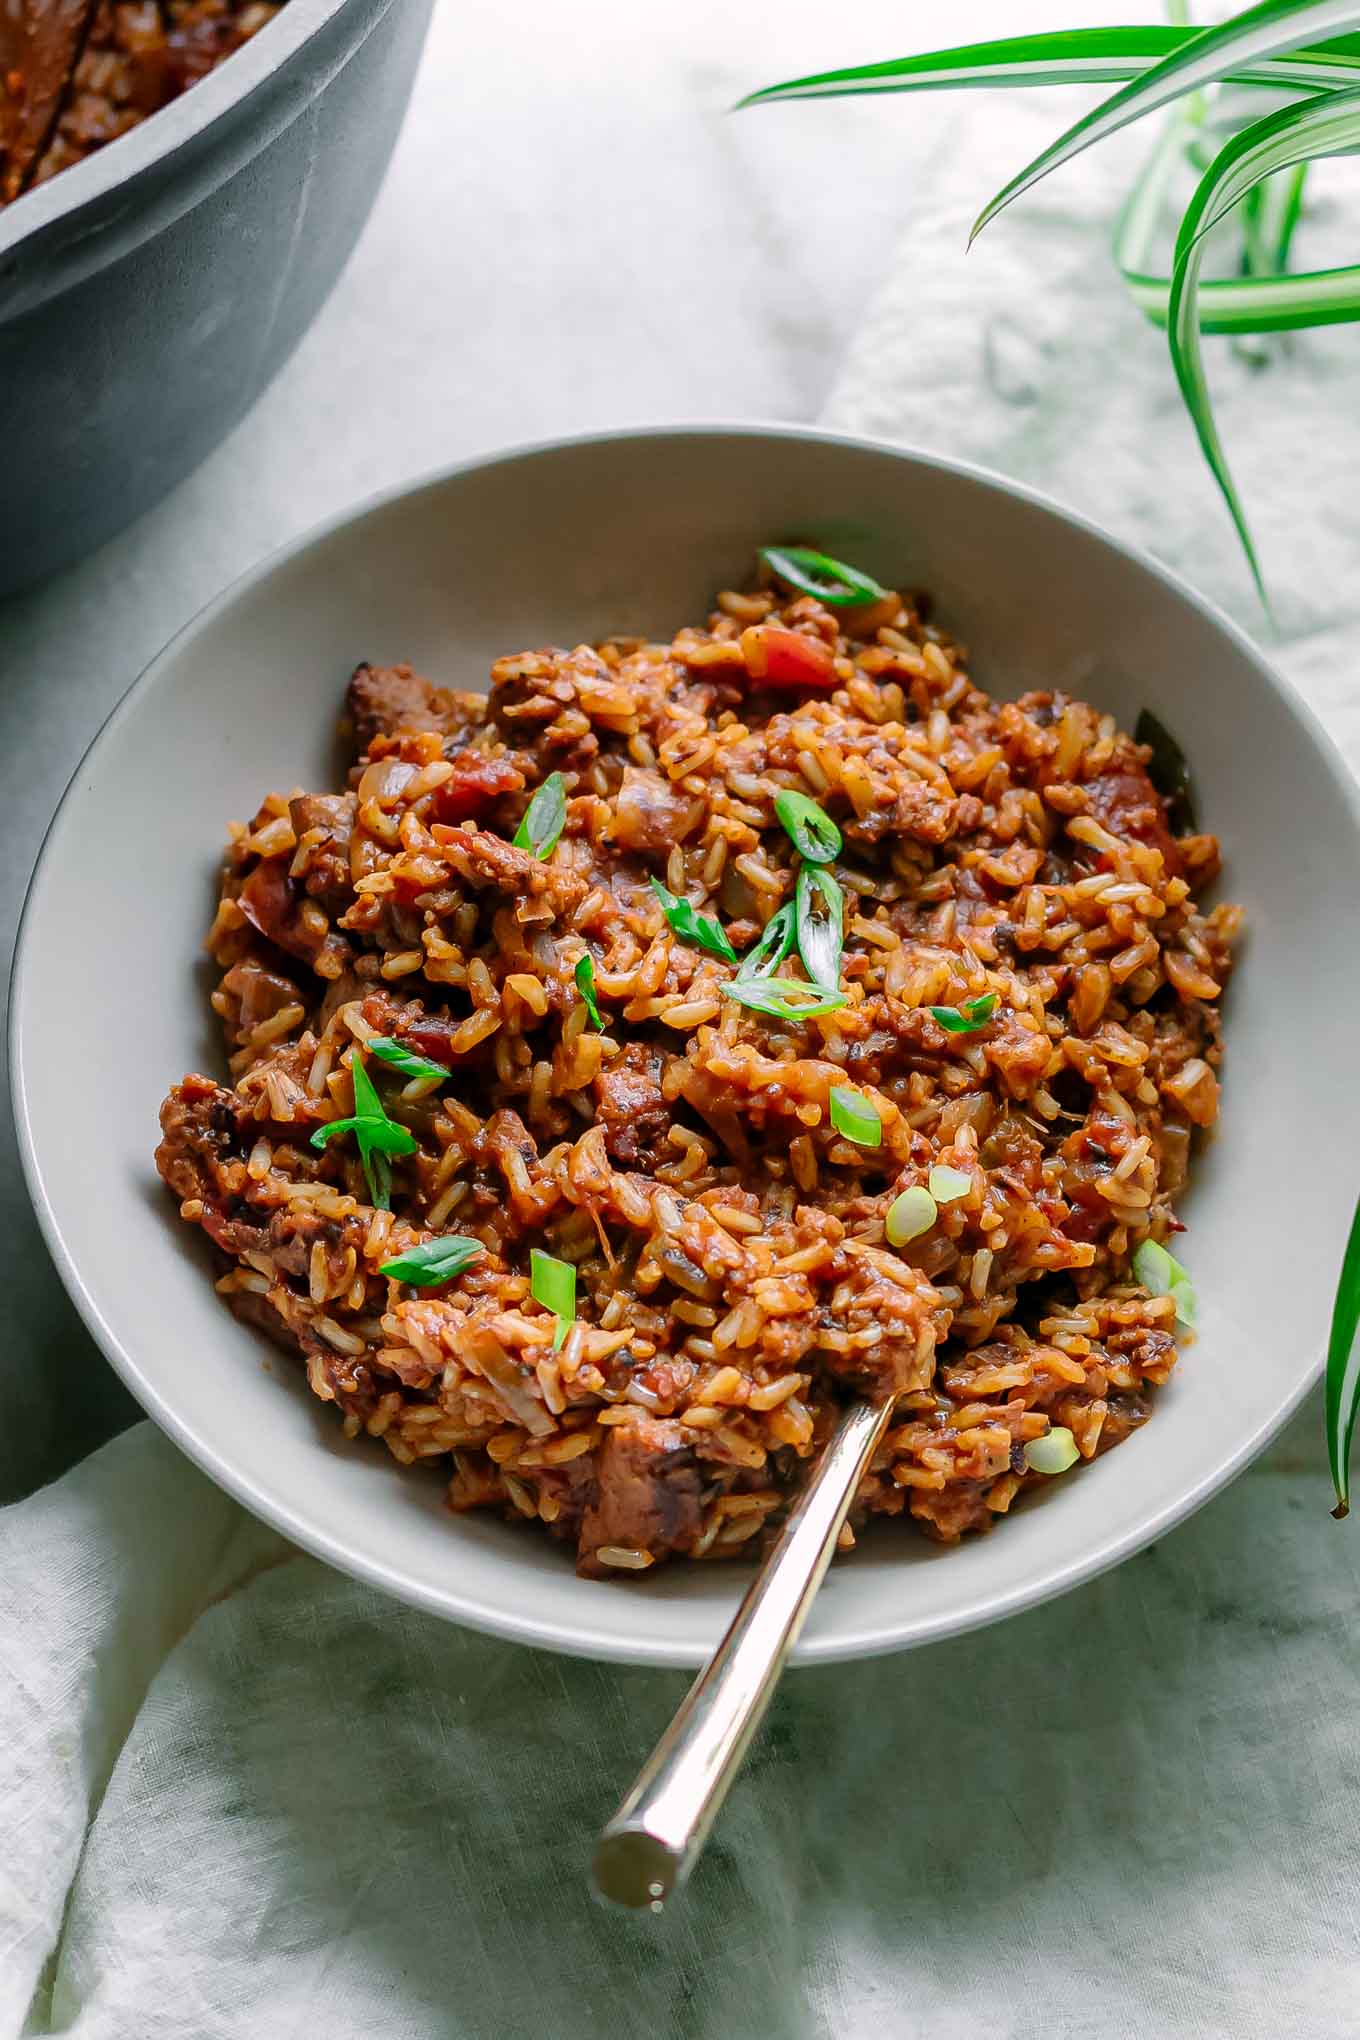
[[544, 818], [1343, 1370], [384, 1136], [434, 1261], [856, 1116], [404, 1059], [553, 1284], [331, 1130], [948, 1185], [1161, 1274], [910, 1215], [783, 998], [367, 1103], [820, 936], [967, 1018], [764, 957], [1053, 1453], [813, 573], [375, 1135], [692, 926], [811, 829], [584, 975]]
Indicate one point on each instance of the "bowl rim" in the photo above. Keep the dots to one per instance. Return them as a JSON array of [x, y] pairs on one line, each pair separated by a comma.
[[105, 173], [494, 1618]]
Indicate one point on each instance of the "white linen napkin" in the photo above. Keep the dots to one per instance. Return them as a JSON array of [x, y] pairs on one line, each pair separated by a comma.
[[243, 1795]]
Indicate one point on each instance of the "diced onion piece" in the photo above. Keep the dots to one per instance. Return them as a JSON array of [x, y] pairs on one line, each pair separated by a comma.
[[1161, 1274], [947, 1185], [385, 778], [786, 658], [1053, 1453], [910, 1215]]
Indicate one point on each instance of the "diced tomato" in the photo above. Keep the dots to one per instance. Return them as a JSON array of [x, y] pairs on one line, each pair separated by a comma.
[[786, 658], [431, 1036], [475, 785]]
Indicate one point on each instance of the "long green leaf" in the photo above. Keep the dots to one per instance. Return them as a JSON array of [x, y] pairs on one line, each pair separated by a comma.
[[1284, 210], [1276, 304], [1296, 134], [1230, 50], [1343, 1370], [1235, 304], [1081, 56]]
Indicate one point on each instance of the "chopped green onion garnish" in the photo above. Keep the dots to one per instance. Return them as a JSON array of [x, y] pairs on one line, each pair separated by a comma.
[[813, 573], [813, 833], [368, 1105], [910, 1215], [856, 1116], [544, 818], [384, 1136], [820, 938], [1053, 1453], [783, 998], [764, 957], [375, 1135], [404, 1059], [553, 1284], [692, 926], [948, 1185], [1161, 1274], [967, 1018], [584, 975], [434, 1261]]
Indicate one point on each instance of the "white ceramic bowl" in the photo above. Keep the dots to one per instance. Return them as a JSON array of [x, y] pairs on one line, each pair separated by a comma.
[[634, 532]]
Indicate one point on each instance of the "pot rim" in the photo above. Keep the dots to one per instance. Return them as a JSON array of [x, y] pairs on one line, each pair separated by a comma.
[[98, 209]]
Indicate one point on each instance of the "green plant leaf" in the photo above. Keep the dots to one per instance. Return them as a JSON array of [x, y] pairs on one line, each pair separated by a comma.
[[1325, 126], [1343, 1369], [1282, 212], [1238, 304], [1229, 49], [1081, 56], [1277, 304]]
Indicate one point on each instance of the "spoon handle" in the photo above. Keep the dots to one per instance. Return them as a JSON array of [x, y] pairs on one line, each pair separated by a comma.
[[653, 1841]]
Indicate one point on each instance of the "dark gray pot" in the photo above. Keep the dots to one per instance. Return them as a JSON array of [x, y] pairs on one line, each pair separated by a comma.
[[149, 294]]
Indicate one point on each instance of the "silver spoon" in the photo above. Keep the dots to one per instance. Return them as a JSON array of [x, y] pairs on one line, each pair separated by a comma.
[[652, 1843]]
